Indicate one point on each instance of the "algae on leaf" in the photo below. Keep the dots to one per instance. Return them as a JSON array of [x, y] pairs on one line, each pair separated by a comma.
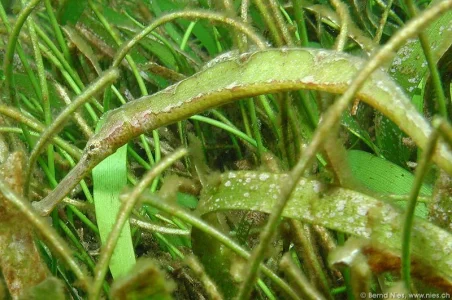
[[335, 208]]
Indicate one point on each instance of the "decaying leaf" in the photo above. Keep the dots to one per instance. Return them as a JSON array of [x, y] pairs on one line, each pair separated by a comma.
[[20, 263]]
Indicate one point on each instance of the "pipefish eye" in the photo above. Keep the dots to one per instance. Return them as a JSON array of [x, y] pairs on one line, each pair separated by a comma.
[[93, 147]]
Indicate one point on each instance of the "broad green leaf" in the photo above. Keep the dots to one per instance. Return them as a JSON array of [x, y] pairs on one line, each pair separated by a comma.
[[335, 208], [382, 176], [110, 178]]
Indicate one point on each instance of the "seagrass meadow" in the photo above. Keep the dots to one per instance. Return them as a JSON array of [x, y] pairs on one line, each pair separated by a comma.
[[225, 149]]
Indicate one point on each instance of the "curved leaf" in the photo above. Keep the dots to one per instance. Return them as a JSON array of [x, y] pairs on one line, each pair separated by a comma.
[[335, 208]]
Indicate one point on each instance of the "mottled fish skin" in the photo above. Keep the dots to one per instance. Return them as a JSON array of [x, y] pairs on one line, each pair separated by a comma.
[[234, 77]]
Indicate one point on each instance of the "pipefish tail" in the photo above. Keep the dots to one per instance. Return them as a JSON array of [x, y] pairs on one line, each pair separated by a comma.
[[229, 78]]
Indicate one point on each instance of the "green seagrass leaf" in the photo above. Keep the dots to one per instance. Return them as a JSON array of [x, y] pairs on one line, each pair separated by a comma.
[[381, 175], [384, 177], [336, 208], [110, 178]]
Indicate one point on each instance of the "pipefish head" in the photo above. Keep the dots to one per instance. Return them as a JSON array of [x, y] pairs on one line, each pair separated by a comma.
[[114, 133]]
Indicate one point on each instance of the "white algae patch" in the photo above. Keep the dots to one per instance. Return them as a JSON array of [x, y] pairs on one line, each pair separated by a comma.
[[264, 176]]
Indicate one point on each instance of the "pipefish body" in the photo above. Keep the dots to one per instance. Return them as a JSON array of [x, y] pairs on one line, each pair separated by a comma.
[[232, 77]]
